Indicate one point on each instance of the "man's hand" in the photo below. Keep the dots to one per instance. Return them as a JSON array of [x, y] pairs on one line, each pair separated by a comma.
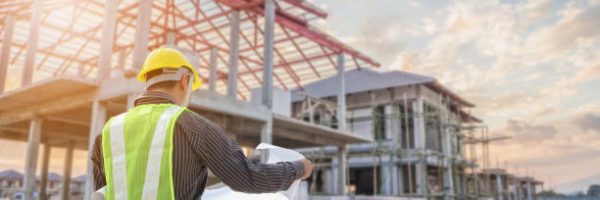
[[308, 168]]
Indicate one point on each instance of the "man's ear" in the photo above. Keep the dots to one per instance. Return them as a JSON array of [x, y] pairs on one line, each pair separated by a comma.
[[183, 83]]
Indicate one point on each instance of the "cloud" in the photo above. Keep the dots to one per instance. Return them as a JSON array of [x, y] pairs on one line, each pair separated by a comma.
[[588, 122], [576, 25], [526, 132]]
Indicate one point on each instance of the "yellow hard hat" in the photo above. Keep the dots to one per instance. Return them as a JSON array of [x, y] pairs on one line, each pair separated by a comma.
[[165, 57]]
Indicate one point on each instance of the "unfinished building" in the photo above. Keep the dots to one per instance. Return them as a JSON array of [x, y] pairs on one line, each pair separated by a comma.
[[66, 67], [416, 125]]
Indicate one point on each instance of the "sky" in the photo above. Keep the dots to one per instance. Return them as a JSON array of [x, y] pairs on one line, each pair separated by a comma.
[[531, 67]]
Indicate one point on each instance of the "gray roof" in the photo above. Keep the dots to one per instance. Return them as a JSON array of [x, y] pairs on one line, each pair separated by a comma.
[[361, 80], [52, 176], [79, 179], [11, 175]]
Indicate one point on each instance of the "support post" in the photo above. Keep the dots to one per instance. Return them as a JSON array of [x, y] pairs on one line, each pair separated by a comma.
[[342, 171], [42, 195], [419, 135], [9, 25], [212, 78], [529, 190], [107, 41], [447, 144], [66, 181], [499, 186], [98, 119], [142, 29], [341, 116], [32, 42], [341, 98], [234, 43], [266, 135], [267, 90], [171, 40], [33, 145]]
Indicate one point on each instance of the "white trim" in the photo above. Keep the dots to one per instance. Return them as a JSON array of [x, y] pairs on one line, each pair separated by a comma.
[[156, 153], [117, 148]]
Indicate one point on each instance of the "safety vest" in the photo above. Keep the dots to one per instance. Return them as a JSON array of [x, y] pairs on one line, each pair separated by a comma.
[[138, 148]]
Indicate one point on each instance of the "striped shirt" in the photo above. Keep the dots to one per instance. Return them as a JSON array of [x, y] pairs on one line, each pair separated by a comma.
[[198, 145]]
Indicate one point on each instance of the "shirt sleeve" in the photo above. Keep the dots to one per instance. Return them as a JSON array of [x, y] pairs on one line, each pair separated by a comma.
[[225, 159], [98, 164]]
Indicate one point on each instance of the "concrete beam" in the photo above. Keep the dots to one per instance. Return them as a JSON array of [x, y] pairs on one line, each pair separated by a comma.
[[234, 51], [32, 42], [108, 38], [50, 107], [66, 181], [9, 25], [142, 31], [97, 123], [44, 176], [33, 145], [212, 78]]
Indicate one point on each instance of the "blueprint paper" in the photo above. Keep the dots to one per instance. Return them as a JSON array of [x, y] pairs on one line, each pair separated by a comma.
[[275, 154]]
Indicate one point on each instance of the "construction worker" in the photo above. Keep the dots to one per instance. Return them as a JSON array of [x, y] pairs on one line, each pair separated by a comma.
[[161, 150]]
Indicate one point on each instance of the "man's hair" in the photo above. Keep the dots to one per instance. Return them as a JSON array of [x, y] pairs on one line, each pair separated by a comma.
[[162, 85]]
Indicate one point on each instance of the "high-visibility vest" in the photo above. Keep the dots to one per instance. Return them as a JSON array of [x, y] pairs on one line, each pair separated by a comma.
[[137, 147]]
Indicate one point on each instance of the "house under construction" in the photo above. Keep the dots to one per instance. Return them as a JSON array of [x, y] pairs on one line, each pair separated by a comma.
[[66, 66], [416, 124]]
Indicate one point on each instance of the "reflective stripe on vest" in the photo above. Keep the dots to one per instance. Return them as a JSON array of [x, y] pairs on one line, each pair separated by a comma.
[[142, 134]]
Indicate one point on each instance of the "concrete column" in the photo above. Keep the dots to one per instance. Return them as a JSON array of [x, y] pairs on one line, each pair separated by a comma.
[[267, 90], [98, 119], [529, 191], [342, 171], [171, 40], [142, 30], [9, 25], [121, 62], [212, 78], [341, 116], [107, 40], [32, 42], [266, 136], [33, 145], [341, 97], [447, 148], [499, 187], [44, 176], [419, 136], [393, 129], [66, 181], [234, 45]]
